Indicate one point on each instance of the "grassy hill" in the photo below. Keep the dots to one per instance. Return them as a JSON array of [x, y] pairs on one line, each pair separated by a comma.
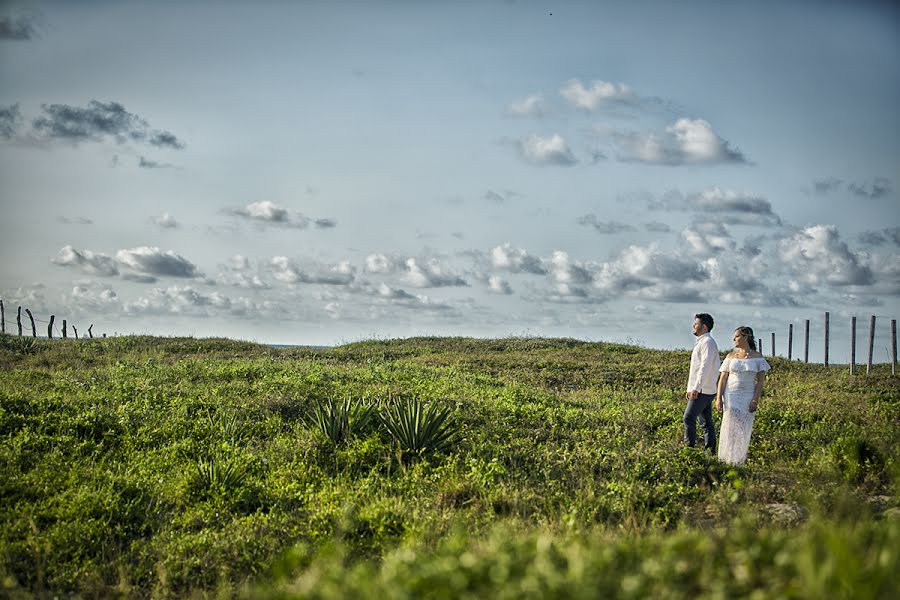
[[153, 467]]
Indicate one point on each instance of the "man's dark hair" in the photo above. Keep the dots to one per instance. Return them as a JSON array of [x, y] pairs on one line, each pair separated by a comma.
[[706, 319]]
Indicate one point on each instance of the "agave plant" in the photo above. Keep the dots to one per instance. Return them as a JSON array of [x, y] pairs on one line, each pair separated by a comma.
[[339, 419], [227, 423], [419, 428], [215, 472]]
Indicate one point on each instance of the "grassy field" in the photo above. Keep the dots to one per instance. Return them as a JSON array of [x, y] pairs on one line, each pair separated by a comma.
[[160, 467]]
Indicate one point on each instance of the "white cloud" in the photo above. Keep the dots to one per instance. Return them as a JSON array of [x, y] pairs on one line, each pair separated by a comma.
[[551, 150], [150, 260], [287, 271], [687, 141], [186, 300], [818, 255], [381, 263], [87, 262], [604, 227], [267, 212], [707, 239], [530, 106], [516, 260], [166, 221], [431, 273], [742, 208], [600, 93], [497, 285]]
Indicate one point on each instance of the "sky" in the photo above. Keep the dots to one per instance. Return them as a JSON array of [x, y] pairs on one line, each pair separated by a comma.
[[326, 172]]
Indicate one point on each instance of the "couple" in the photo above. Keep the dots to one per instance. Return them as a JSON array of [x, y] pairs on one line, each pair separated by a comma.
[[736, 386]]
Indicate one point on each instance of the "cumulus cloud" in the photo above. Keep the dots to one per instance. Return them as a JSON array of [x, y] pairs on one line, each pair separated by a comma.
[[87, 262], [403, 299], [516, 260], [650, 273], [165, 220], [177, 300], [146, 163], [287, 271], [499, 197], [880, 237], [430, 272], [94, 296], [18, 27], [817, 255], [657, 227], [604, 227], [598, 95], [498, 285], [876, 188], [96, 122], [75, 221], [707, 239], [529, 106], [151, 261], [687, 141], [10, 121], [741, 208], [269, 213], [735, 208], [325, 223], [551, 150], [237, 272], [381, 263]]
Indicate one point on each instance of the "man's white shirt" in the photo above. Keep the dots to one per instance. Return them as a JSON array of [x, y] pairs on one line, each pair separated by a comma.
[[704, 365]]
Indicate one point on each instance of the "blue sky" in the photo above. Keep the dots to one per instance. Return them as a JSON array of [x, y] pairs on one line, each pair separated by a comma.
[[325, 172]]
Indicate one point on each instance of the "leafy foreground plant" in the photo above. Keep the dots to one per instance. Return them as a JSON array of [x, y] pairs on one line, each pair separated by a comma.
[[218, 473], [823, 559], [338, 420], [419, 428]]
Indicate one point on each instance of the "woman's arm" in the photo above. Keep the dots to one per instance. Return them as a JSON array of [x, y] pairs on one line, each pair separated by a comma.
[[757, 392], [720, 389]]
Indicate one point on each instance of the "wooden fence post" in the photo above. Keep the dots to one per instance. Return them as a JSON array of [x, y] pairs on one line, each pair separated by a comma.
[[827, 331], [75, 329], [89, 330], [64, 329], [50, 327], [790, 340], [19, 320], [806, 342], [893, 346], [33, 327], [773, 343], [852, 345], [2, 318], [871, 344]]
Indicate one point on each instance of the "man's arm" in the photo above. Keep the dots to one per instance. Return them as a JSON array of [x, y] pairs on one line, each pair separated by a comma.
[[705, 364]]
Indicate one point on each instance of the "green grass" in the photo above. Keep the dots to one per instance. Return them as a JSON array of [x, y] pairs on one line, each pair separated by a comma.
[[154, 467]]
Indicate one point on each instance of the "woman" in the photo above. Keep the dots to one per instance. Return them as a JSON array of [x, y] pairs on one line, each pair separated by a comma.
[[743, 373]]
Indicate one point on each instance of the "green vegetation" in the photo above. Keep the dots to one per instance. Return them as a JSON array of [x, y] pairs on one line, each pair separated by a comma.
[[148, 467]]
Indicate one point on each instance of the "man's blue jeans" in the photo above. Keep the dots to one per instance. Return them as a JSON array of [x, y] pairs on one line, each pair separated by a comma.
[[700, 407]]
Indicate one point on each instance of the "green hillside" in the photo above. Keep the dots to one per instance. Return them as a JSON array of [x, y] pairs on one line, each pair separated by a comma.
[[161, 467]]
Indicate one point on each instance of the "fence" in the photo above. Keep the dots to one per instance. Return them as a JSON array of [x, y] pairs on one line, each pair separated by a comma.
[[64, 332], [827, 339]]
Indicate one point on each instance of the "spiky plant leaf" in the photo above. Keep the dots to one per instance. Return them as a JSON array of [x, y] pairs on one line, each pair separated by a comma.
[[419, 428]]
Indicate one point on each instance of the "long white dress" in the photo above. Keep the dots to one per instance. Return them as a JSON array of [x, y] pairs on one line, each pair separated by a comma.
[[737, 422]]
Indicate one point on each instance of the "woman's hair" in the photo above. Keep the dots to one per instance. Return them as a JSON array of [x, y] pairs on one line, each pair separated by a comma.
[[748, 331]]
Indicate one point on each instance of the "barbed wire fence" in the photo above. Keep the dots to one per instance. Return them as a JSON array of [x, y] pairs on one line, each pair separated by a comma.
[[52, 326]]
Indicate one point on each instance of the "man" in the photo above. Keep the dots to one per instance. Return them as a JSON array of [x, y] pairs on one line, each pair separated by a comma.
[[701, 387]]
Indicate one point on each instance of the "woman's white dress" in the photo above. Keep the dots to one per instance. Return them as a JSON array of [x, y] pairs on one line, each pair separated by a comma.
[[737, 422]]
